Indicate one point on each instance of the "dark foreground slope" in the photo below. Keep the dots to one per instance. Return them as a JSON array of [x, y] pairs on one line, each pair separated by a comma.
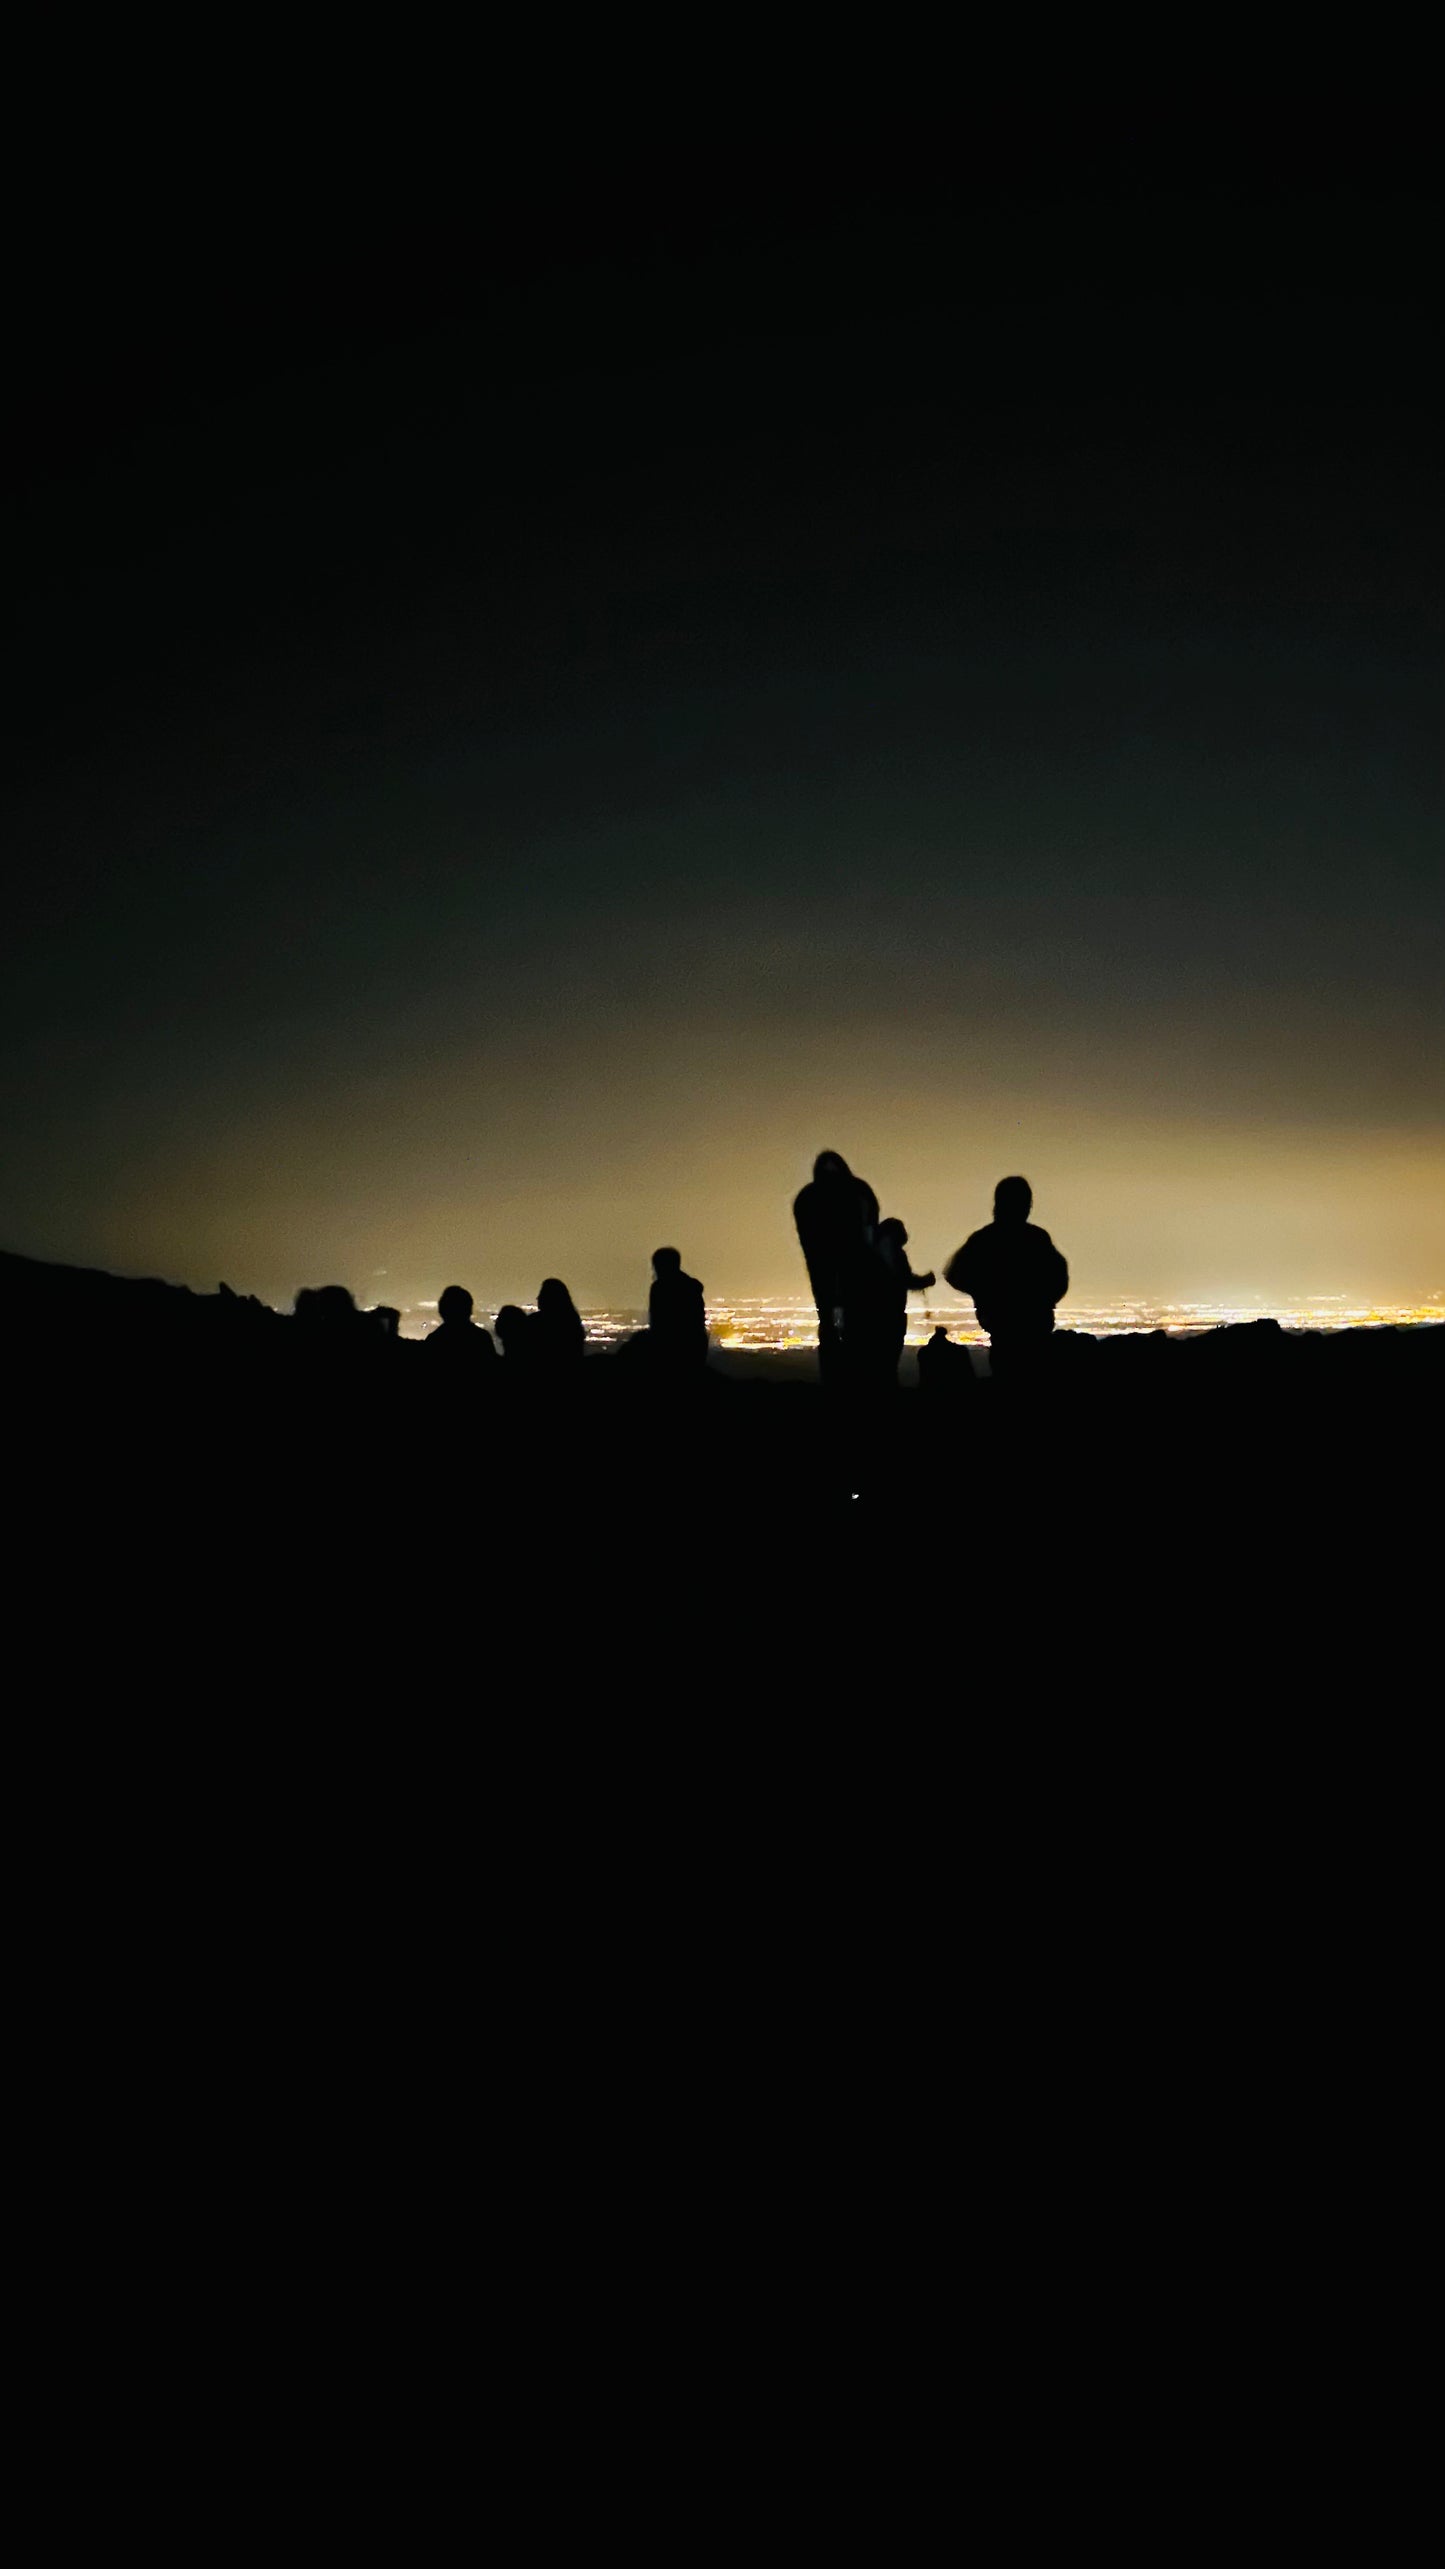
[[599, 1782], [1060, 1736], [225, 1477]]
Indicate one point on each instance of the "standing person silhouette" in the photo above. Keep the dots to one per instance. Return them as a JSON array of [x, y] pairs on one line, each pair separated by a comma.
[[1015, 1276], [676, 1318], [891, 1281], [837, 1219], [514, 1329]]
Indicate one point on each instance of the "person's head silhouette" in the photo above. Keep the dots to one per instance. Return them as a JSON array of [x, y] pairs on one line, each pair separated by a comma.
[[666, 1262], [558, 1334], [455, 1307], [893, 1230], [830, 1166], [511, 1325], [1013, 1199]]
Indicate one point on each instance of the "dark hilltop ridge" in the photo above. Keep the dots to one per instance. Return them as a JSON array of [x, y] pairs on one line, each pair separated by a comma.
[[305, 1516], [124, 1332], [93, 1322], [163, 1389]]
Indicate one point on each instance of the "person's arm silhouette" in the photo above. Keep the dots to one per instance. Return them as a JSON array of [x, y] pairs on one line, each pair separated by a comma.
[[960, 1270]]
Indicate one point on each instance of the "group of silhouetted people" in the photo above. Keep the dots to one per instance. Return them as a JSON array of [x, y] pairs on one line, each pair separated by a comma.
[[547, 1345], [859, 1269], [861, 1277]]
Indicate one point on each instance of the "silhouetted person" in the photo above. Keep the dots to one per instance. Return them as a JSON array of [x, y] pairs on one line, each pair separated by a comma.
[[515, 1329], [331, 1331], [557, 1339], [338, 1355], [1014, 1275], [327, 1312], [944, 1366], [881, 1317], [837, 1219], [457, 1338], [898, 1282], [676, 1318]]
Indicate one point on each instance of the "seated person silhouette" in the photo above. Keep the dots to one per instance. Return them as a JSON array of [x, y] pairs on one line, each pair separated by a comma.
[[1014, 1275], [333, 1333], [837, 1219], [456, 1336], [676, 1320], [944, 1368], [884, 1305], [328, 1310], [514, 1328], [557, 1340]]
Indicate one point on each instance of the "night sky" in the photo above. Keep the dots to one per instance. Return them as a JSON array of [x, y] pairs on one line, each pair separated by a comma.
[[535, 718]]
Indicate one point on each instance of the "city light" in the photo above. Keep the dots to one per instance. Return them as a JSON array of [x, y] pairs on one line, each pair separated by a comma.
[[762, 1325]]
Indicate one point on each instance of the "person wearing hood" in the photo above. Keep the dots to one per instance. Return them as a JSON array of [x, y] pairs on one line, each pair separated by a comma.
[[837, 1221]]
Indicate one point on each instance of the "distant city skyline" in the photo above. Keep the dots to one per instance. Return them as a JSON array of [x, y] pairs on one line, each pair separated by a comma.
[[766, 1323]]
